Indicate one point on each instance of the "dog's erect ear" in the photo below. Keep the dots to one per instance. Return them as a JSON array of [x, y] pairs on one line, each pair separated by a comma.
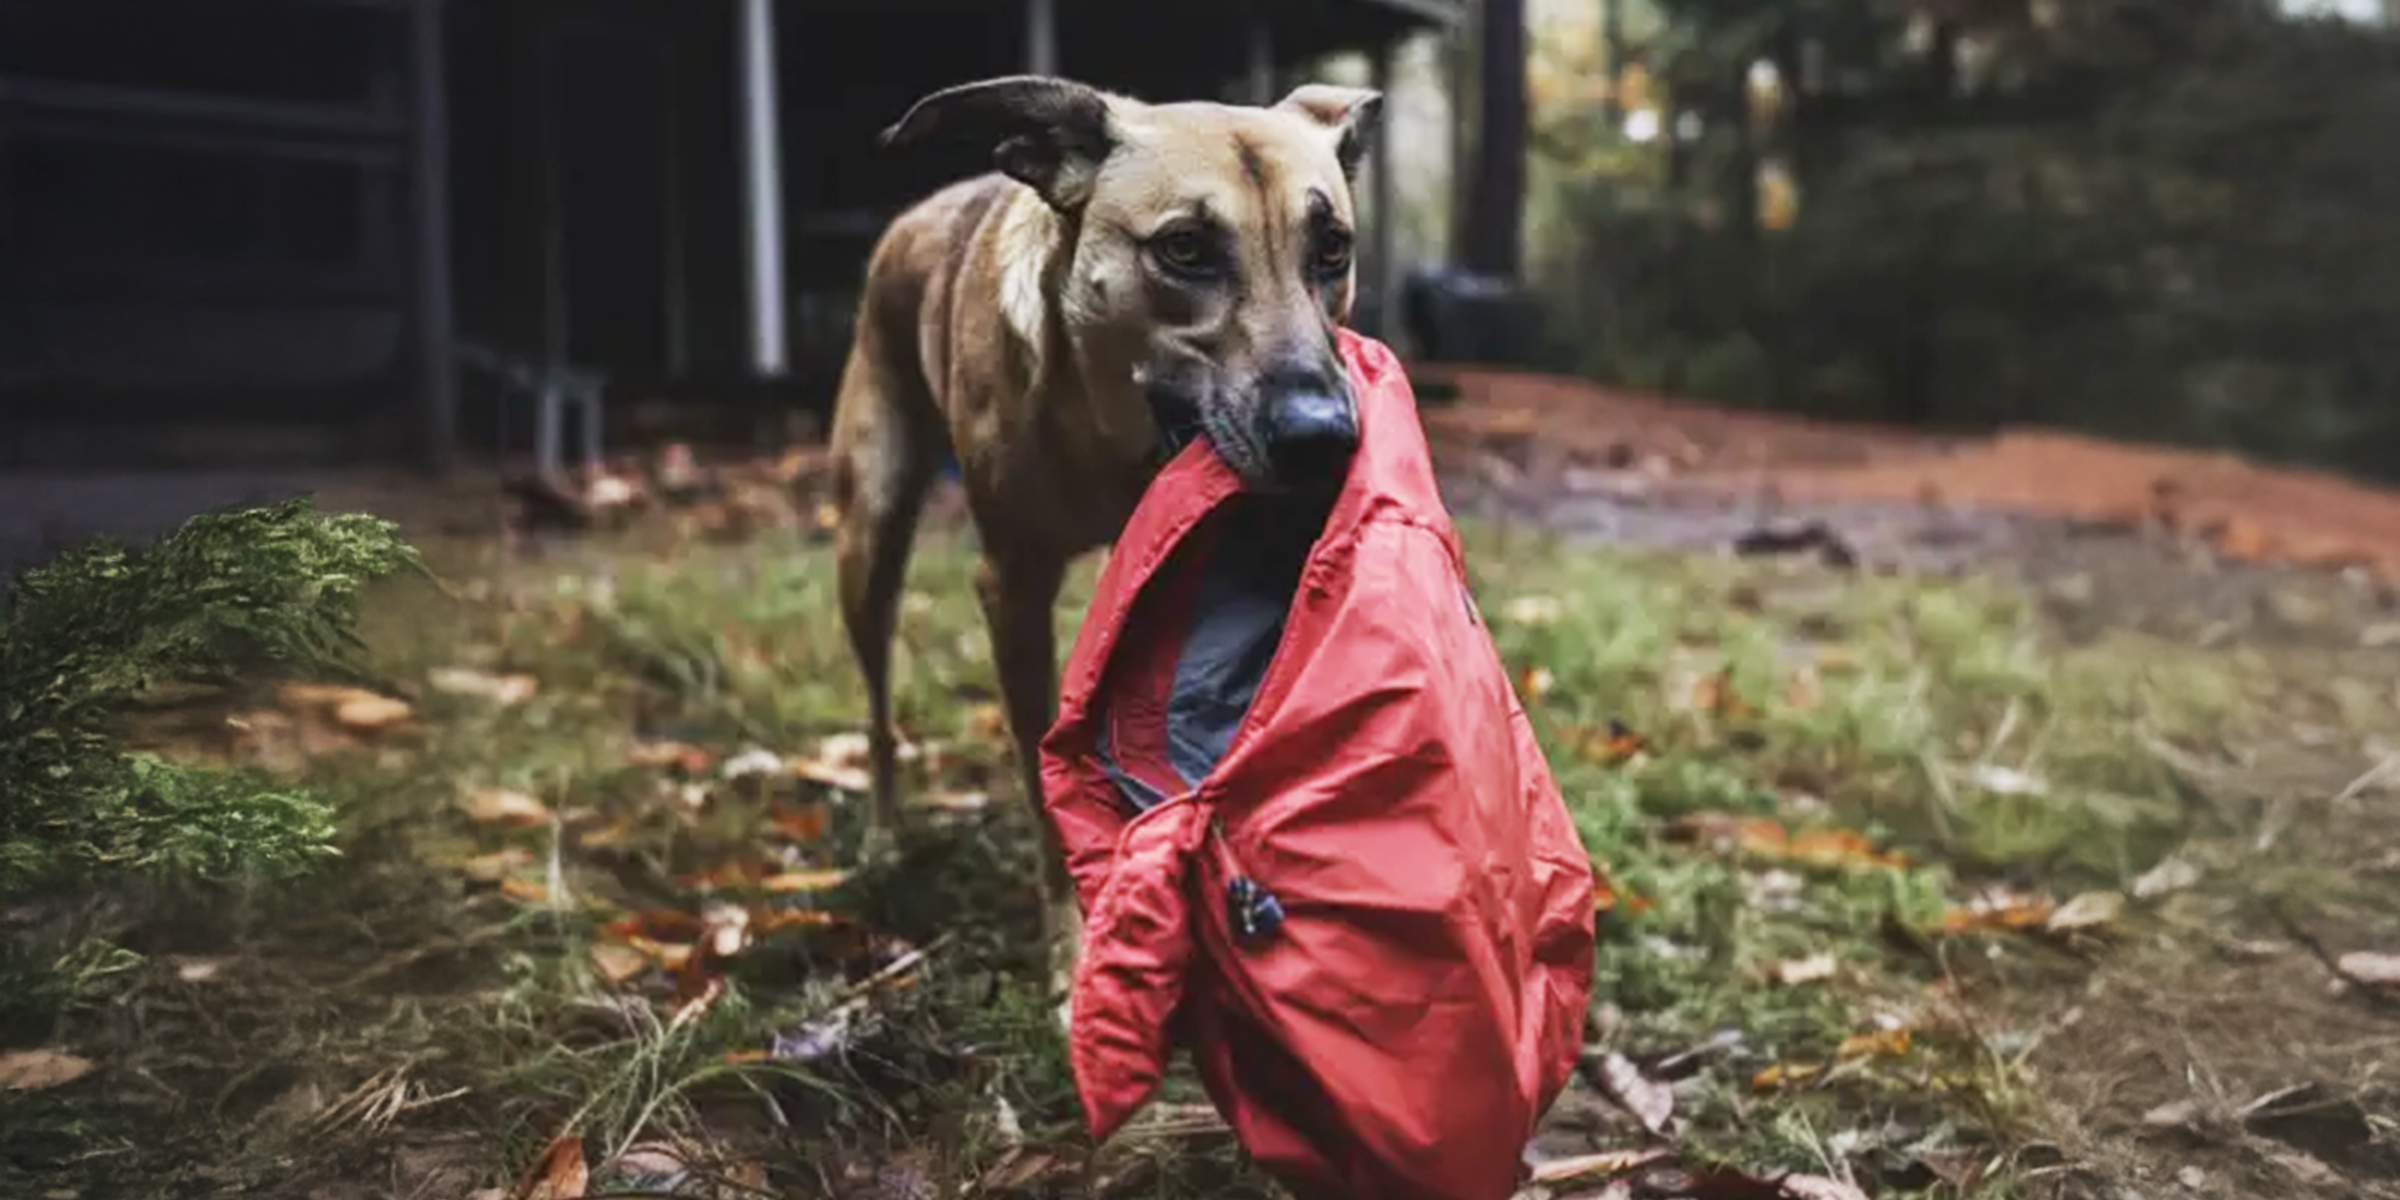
[[1353, 114], [1048, 134]]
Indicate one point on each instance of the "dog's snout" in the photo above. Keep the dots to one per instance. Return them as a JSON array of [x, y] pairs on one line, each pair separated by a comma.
[[1311, 432]]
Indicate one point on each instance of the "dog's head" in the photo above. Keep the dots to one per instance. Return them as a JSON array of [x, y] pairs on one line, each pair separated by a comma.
[[1211, 254]]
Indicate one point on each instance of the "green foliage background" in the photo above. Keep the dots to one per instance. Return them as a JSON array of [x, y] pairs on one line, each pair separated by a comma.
[[2163, 218]]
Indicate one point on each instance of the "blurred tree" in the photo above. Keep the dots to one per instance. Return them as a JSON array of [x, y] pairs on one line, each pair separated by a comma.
[[2156, 216]]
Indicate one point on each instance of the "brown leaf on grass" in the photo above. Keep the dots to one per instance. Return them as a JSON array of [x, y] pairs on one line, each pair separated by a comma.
[[1882, 1043], [1886, 1043], [684, 755], [658, 924], [2370, 969], [40, 1070], [525, 891], [1022, 1168], [1998, 910], [1651, 1102], [1805, 691], [1714, 693], [505, 806], [789, 882], [1612, 745], [839, 778], [806, 823], [1796, 971], [1595, 1168], [1766, 838], [1817, 1187], [499, 689], [987, 722], [559, 1174], [608, 835], [1534, 683], [497, 865], [618, 963], [353, 708], [2091, 910]]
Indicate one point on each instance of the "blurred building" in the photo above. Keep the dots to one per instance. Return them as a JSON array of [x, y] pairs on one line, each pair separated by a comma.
[[264, 228]]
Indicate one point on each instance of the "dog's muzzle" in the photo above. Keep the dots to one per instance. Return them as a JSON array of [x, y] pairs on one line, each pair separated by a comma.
[[1310, 435]]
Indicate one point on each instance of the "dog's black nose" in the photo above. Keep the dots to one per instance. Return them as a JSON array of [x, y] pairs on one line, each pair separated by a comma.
[[1310, 435]]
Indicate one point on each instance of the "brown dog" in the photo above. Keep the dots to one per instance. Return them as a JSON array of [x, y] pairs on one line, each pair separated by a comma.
[[1135, 275]]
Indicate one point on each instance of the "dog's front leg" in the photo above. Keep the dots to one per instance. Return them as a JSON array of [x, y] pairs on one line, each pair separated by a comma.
[[1020, 595]]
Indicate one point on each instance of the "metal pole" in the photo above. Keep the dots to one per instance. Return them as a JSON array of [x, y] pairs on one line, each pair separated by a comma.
[[762, 174], [1041, 37], [1260, 52], [437, 349], [1381, 257]]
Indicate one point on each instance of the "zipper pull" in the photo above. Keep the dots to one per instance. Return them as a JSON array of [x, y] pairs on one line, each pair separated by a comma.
[[1255, 913]]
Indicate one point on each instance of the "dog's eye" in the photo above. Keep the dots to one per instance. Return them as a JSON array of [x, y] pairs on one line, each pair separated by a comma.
[[1333, 252], [1184, 251]]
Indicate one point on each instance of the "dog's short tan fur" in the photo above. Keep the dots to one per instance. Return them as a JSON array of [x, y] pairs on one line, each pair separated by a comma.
[[1030, 318]]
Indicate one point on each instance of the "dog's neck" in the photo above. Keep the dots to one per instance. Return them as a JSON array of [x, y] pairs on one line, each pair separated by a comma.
[[1036, 307], [1036, 238]]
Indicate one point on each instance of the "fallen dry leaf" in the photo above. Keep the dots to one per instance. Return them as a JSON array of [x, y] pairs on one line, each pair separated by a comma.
[[1796, 971], [1612, 745], [1651, 1102], [2091, 910], [618, 963], [559, 1174], [806, 823], [2370, 970], [1817, 1187], [1021, 1168], [987, 722], [1885, 1043], [40, 1070], [525, 891], [497, 865], [2170, 875], [1882, 1043], [369, 712], [1766, 838], [505, 806], [1536, 683], [804, 881], [499, 689], [1998, 910], [1593, 1168], [839, 778], [1532, 610], [689, 757]]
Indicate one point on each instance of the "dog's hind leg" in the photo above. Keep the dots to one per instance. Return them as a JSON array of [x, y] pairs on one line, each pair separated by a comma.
[[887, 447], [1020, 595]]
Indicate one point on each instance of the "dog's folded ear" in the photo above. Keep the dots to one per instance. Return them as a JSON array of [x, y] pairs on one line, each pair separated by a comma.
[[1353, 114], [1048, 134]]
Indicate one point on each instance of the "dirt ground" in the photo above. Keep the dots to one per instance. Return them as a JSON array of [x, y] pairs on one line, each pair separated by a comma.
[[2218, 1054], [2214, 1051]]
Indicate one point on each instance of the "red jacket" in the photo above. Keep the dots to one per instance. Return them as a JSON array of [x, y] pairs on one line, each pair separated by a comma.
[[1350, 889]]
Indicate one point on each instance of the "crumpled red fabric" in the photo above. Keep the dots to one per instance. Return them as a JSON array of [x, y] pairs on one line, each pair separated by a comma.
[[1422, 1002]]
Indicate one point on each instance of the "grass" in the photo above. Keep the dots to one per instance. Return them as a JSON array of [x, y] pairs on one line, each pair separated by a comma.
[[428, 1015]]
